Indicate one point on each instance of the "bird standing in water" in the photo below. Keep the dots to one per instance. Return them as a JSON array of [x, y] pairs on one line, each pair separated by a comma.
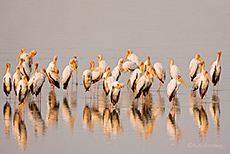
[[215, 71], [7, 80]]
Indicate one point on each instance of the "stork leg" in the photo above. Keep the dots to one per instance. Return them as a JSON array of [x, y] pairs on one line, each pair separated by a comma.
[[128, 81], [67, 88], [217, 86], [76, 78], [142, 98], [160, 84]]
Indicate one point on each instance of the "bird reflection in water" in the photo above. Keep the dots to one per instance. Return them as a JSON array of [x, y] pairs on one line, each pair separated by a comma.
[[199, 115], [91, 115], [173, 130], [111, 122], [143, 119], [214, 109], [52, 109], [19, 129], [35, 116], [67, 114], [7, 118]]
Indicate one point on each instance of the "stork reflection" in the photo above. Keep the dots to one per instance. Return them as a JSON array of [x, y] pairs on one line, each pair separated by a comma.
[[199, 116], [52, 110], [214, 109], [67, 114], [35, 116], [19, 129], [111, 121], [7, 118], [143, 119], [173, 129]]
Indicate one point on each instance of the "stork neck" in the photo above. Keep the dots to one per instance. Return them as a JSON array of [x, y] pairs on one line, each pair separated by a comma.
[[218, 59]]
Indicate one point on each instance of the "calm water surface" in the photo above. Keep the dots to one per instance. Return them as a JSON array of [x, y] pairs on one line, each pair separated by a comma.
[[75, 123]]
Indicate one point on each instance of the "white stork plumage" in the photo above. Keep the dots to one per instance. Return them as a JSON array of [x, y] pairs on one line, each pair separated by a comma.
[[142, 84], [27, 57], [108, 81], [32, 78], [203, 84], [22, 89], [7, 80], [201, 81], [87, 78], [16, 78], [196, 80], [53, 72], [115, 92], [147, 63], [194, 66], [160, 73], [97, 72], [129, 66], [101, 63], [173, 86], [76, 64], [39, 81], [135, 76], [131, 57], [67, 73], [173, 69], [116, 72], [24, 68], [215, 70]]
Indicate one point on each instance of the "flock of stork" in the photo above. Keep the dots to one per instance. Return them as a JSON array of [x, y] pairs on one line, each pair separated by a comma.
[[142, 75], [23, 83]]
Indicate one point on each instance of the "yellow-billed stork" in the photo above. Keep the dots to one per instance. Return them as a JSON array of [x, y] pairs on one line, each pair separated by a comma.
[[194, 66], [67, 73], [7, 80], [116, 72], [173, 86], [131, 57], [22, 89], [215, 70]]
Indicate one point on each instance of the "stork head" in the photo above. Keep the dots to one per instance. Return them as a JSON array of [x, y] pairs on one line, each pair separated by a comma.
[[181, 80], [33, 53], [198, 57], [21, 52]]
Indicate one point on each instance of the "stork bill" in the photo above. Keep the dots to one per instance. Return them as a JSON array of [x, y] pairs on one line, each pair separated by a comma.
[[173, 86]]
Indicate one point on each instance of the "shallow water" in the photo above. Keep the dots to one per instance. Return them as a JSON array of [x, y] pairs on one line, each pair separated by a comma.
[[77, 123]]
